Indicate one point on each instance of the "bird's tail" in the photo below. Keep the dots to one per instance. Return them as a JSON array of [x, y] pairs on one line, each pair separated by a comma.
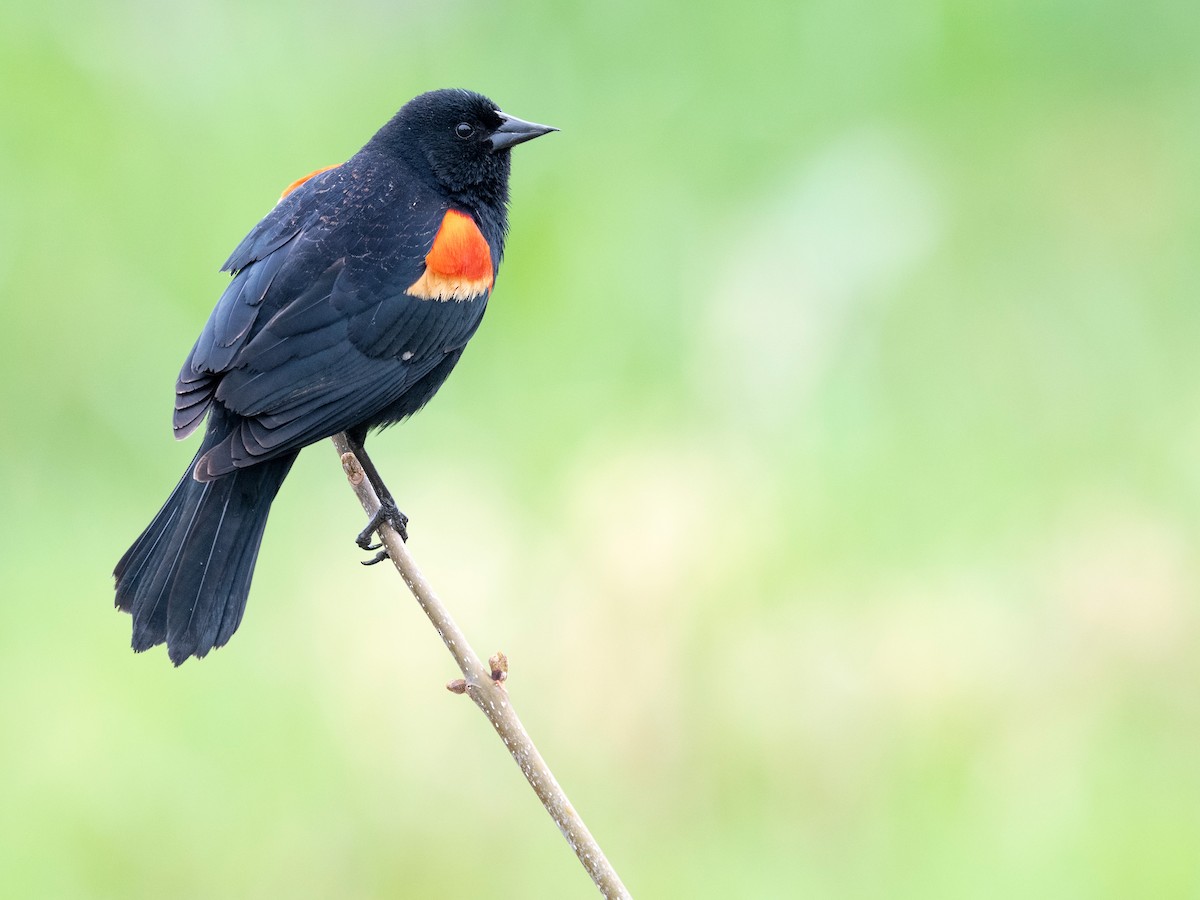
[[185, 579]]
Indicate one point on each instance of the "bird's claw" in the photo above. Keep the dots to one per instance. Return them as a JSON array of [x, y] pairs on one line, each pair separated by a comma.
[[389, 513], [377, 558]]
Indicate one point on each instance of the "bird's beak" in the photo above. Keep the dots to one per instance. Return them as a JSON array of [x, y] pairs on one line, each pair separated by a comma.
[[513, 131]]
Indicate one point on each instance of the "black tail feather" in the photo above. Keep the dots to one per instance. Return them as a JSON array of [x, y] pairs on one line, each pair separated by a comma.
[[186, 578]]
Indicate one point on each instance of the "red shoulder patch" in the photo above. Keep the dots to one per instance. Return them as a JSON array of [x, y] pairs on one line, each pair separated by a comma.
[[299, 181], [459, 264]]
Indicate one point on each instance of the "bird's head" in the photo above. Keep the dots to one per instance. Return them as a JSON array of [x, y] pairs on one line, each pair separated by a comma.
[[458, 138]]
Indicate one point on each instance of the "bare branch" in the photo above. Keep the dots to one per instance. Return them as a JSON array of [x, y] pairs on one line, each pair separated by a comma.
[[485, 685]]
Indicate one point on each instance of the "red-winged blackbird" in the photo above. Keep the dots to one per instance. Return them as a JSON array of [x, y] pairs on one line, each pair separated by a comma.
[[349, 305]]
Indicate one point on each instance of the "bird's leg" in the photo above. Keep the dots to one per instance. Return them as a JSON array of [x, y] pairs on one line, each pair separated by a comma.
[[387, 512]]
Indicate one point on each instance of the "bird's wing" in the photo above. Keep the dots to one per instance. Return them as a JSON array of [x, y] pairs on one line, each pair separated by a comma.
[[318, 331]]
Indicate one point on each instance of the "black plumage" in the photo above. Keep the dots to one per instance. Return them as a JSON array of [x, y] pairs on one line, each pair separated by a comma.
[[322, 329]]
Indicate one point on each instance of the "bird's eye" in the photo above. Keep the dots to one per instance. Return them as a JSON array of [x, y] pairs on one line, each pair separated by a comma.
[[464, 130]]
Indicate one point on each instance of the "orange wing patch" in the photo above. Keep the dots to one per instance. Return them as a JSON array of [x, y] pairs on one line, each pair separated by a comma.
[[459, 264], [299, 181]]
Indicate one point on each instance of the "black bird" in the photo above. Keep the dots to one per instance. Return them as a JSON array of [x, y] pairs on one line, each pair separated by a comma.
[[349, 305]]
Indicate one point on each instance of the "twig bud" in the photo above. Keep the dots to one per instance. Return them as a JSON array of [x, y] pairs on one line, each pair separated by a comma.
[[353, 469]]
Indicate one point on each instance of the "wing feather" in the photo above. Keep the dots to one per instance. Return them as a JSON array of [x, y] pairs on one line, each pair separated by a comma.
[[315, 333]]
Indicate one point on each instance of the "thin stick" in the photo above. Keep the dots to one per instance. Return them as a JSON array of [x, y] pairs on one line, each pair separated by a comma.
[[485, 685]]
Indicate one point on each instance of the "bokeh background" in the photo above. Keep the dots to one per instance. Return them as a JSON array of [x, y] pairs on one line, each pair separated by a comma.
[[827, 464]]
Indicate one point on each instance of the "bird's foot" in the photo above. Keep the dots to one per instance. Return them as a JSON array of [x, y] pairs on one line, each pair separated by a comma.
[[388, 512]]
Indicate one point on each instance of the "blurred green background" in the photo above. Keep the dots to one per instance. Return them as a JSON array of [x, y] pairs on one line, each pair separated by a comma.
[[827, 465]]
